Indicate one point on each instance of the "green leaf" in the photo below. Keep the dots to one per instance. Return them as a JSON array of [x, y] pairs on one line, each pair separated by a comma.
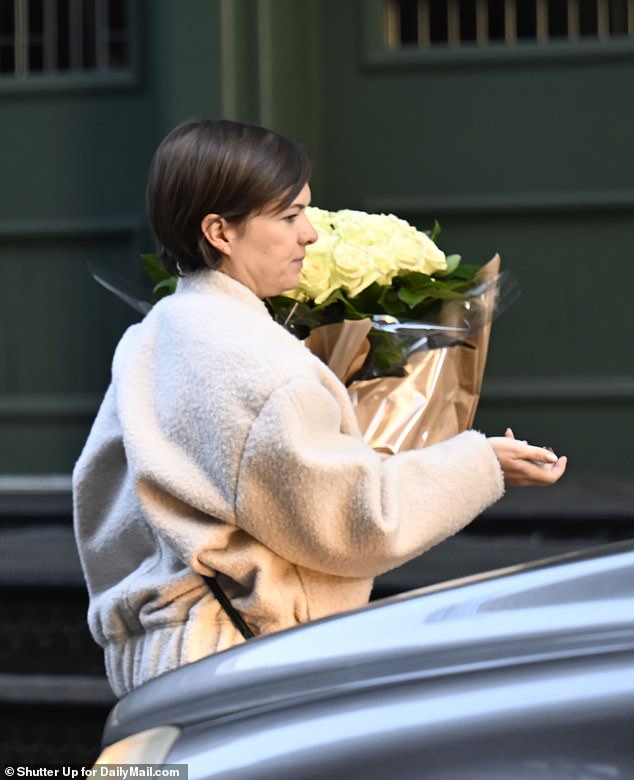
[[415, 280], [435, 231], [335, 295], [453, 261], [357, 308], [154, 268], [391, 303], [337, 299], [368, 300], [447, 294], [414, 287], [465, 273], [388, 352], [411, 297], [297, 317], [164, 288]]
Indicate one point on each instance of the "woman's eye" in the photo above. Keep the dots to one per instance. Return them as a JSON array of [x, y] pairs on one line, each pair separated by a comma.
[[290, 217]]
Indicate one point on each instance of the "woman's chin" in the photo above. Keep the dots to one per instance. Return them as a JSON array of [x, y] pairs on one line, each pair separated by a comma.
[[279, 290], [291, 282]]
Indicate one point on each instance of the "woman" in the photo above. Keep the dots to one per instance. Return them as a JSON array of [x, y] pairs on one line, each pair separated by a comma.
[[224, 448]]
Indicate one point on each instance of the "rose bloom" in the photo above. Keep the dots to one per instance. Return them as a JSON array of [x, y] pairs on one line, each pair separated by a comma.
[[354, 268], [317, 279], [320, 219], [355, 249]]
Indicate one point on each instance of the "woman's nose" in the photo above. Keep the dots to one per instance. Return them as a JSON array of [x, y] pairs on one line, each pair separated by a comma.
[[310, 235]]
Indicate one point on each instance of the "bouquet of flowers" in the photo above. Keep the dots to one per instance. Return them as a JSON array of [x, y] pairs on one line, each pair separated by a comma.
[[404, 326]]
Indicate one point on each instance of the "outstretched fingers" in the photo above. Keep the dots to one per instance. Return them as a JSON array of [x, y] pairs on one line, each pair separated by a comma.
[[538, 473], [526, 464]]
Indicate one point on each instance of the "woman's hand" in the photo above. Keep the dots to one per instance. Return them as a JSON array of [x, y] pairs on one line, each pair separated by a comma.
[[524, 464]]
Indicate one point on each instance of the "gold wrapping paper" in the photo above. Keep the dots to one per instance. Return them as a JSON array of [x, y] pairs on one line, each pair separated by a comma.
[[438, 396]]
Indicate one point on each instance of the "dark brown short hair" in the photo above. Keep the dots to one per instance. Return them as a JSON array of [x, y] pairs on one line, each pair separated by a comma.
[[217, 167]]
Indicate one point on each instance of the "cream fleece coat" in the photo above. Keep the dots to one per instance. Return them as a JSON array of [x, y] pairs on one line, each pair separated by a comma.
[[224, 446]]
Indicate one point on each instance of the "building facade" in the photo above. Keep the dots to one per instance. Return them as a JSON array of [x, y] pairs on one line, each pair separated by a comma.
[[509, 122]]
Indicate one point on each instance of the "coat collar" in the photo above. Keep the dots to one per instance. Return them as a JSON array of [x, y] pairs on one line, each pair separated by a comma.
[[211, 281]]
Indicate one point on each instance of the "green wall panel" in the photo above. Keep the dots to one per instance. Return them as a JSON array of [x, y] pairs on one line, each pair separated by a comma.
[[183, 63], [62, 326], [575, 274], [522, 152], [74, 154], [523, 125], [68, 156], [590, 433], [43, 443]]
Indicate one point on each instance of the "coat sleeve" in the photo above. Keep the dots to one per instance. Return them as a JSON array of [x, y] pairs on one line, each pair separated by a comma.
[[325, 500]]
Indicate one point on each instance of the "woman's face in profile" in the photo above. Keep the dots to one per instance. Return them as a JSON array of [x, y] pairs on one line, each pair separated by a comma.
[[266, 252]]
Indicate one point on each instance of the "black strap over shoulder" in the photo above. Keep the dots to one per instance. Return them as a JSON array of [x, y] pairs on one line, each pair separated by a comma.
[[235, 617]]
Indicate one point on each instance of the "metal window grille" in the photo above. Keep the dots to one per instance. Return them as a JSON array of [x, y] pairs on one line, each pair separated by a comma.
[[43, 37], [454, 23]]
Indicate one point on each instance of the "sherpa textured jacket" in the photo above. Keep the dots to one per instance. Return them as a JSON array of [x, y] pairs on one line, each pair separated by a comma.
[[224, 446]]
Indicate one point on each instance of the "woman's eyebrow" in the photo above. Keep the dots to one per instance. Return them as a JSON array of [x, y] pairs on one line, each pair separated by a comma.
[[299, 205]]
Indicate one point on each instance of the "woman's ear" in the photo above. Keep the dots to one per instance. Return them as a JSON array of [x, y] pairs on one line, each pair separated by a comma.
[[214, 229]]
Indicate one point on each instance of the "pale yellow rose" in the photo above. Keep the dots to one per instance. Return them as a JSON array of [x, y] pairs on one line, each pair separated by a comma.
[[395, 245], [320, 218], [354, 269], [405, 248], [370, 232], [357, 227], [432, 258], [382, 258], [316, 279], [355, 249]]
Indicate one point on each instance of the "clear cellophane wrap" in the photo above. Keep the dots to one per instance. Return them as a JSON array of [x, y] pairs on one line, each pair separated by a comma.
[[437, 396]]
